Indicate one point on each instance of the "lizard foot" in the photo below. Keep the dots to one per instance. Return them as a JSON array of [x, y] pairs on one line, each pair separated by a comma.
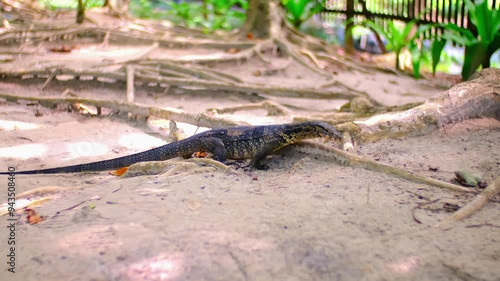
[[262, 167]]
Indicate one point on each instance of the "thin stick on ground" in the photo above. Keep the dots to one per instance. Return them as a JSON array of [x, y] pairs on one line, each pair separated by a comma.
[[475, 205], [348, 159]]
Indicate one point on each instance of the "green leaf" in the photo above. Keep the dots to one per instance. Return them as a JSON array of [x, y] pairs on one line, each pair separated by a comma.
[[474, 56], [495, 44], [436, 50], [423, 28], [486, 20], [416, 55], [459, 35], [478, 16], [299, 11], [408, 29], [376, 28]]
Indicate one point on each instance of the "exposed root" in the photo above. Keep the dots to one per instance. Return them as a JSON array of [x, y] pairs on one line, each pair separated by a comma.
[[337, 83], [202, 120], [211, 162], [348, 144], [273, 109], [136, 57], [288, 49], [171, 72], [348, 159], [245, 88], [175, 133], [478, 97], [178, 166], [342, 63], [313, 58], [160, 66], [474, 206]]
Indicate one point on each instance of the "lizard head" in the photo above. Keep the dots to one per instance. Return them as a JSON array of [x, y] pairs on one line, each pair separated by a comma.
[[323, 129], [314, 129]]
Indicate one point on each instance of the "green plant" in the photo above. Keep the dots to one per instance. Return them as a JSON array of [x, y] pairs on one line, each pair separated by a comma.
[[416, 52], [298, 11], [69, 4], [210, 14], [397, 37], [480, 48], [221, 14], [190, 14], [142, 9], [437, 47]]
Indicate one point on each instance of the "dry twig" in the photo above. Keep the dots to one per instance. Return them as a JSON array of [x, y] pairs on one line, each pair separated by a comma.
[[475, 205]]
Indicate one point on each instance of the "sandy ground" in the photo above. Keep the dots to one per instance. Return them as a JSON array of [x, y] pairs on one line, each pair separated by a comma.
[[306, 218]]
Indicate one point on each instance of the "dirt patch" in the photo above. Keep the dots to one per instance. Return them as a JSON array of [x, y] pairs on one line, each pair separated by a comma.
[[306, 218]]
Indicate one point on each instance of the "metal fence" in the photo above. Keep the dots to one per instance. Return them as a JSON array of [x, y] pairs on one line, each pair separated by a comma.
[[382, 11]]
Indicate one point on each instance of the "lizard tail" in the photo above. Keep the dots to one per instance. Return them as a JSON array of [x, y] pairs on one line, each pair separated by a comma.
[[164, 152]]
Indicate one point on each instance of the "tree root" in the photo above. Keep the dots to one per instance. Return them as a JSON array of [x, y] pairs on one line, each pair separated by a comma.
[[348, 159], [190, 72], [288, 49], [201, 120], [343, 64], [176, 166], [273, 109], [473, 206], [476, 98], [245, 88], [197, 78]]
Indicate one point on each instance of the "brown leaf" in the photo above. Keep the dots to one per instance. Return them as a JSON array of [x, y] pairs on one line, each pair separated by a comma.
[[32, 217], [63, 49], [232, 50], [119, 172], [200, 154]]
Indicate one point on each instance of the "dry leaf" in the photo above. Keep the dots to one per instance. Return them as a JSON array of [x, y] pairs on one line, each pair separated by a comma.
[[232, 50], [119, 172], [200, 154], [63, 49], [32, 217]]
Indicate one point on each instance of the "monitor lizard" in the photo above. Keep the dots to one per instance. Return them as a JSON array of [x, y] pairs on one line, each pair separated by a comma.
[[241, 142]]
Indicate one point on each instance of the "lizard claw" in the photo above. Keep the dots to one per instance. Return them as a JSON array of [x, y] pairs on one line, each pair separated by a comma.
[[262, 167]]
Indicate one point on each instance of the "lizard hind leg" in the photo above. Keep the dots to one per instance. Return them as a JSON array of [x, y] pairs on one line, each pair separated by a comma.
[[216, 147]]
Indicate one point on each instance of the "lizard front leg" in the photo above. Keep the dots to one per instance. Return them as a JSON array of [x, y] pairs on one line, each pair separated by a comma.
[[262, 154]]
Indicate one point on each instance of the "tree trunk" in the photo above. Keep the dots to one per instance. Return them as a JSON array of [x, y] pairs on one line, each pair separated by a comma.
[[258, 21], [348, 40], [80, 11]]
